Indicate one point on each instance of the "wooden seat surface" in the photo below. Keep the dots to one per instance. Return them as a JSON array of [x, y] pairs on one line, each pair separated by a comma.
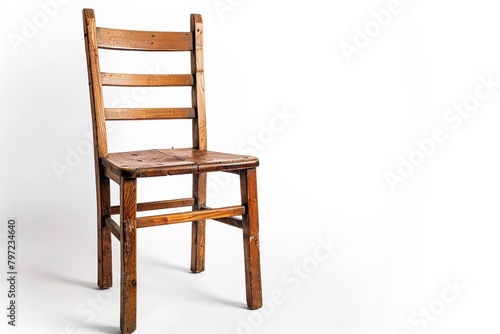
[[161, 162]]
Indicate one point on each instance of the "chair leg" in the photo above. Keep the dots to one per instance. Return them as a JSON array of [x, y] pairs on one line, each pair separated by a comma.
[[128, 297], [198, 227], [104, 256], [248, 181]]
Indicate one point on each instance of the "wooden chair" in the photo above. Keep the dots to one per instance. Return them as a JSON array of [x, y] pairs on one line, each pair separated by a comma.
[[124, 168]]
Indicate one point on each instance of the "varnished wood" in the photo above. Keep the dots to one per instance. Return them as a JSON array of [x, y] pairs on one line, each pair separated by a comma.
[[104, 256], [182, 217], [198, 226], [128, 293], [146, 80], [117, 114], [161, 162], [158, 205], [118, 39], [248, 182], [125, 167], [198, 91], [95, 87], [104, 251], [147, 163], [236, 222], [113, 227], [111, 174]]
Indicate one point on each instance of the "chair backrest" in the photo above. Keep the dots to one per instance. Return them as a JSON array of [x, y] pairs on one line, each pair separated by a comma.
[[103, 38]]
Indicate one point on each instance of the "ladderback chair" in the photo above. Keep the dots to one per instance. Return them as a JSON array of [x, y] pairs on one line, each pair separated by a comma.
[[125, 167]]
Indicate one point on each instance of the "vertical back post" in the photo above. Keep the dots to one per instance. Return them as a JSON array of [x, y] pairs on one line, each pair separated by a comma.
[[104, 271], [95, 87], [199, 142], [198, 92]]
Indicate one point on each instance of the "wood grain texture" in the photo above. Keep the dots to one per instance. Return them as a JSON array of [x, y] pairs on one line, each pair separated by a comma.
[[199, 59], [146, 80], [232, 221], [147, 163], [95, 87], [210, 161], [158, 205], [198, 226], [125, 167], [200, 100], [118, 114], [128, 293], [118, 39], [113, 227], [104, 256], [109, 173], [182, 217], [248, 181], [198, 91], [160, 162], [104, 250]]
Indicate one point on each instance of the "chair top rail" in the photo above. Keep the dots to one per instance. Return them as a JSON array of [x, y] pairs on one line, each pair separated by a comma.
[[118, 39]]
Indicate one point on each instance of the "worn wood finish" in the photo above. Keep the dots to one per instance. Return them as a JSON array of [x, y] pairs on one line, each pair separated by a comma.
[[146, 80], [125, 167], [110, 174], [182, 217], [236, 222], [149, 163], [128, 296], [248, 182], [198, 226], [95, 87], [120, 114], [198, 91], [158, 205], [117, 39], [209, 161], [113, 227], [104, 256]]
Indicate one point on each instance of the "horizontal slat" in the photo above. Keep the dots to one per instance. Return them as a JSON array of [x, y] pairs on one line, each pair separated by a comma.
[[183, 217], [115, 114], [236, 222], [113, 226], [147, 206], [144, 80], [117, 39]]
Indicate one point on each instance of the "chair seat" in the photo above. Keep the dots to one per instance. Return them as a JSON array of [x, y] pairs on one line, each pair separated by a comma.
[[174, 161]]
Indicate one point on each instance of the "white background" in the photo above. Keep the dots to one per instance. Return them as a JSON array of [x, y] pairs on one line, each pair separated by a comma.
[[322, 175]]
